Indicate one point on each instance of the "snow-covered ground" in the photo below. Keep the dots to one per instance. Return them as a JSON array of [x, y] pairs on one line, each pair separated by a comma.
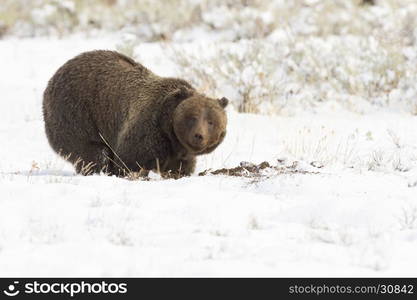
[[356, 216]]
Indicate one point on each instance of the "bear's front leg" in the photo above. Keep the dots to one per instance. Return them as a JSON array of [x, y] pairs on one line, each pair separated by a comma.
[[188, 166], [178, 167]]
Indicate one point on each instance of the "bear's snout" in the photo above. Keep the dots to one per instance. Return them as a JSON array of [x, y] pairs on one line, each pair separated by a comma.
[[198, 137], [198, 140]]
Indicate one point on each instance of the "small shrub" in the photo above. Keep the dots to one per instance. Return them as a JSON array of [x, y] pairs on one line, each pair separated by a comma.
[[247, 70]]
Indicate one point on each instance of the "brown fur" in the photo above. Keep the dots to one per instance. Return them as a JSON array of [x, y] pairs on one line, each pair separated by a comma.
[[105, 112]]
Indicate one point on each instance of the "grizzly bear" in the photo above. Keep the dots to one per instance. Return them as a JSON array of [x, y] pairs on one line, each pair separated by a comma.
[[104, 112]]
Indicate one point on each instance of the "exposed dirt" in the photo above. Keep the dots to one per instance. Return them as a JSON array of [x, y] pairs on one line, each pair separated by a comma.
[[245, 169]]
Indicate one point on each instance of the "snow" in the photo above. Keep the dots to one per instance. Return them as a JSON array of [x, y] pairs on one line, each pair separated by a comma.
[[355, 216]]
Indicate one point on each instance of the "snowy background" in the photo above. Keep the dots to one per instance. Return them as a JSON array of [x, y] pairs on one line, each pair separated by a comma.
[[324, 89]]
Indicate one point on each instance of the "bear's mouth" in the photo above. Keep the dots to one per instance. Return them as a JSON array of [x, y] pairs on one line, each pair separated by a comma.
[[195, 149]]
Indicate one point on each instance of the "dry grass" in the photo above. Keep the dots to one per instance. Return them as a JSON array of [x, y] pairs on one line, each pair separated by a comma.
[[159, 20], [53, 17], [249, 69], [286, 53]]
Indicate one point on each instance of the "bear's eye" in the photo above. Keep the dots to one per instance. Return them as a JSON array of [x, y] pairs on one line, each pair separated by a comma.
[[210, 123], [191, 121]]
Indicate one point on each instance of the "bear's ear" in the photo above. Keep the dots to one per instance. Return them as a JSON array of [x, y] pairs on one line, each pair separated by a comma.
[[223, 102], [181, 93]]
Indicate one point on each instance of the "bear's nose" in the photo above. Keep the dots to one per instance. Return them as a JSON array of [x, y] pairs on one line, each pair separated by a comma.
[[198, 137]]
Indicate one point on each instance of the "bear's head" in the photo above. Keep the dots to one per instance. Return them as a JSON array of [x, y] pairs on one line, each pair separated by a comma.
[[199, 123]]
